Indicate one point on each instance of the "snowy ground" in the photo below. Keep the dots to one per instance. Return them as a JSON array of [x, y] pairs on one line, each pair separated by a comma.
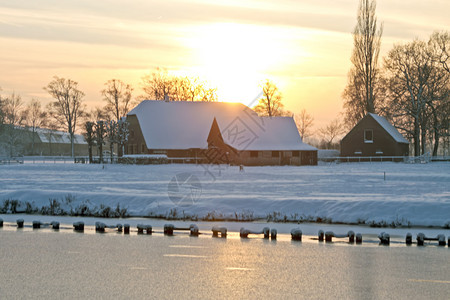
[[381, 193]]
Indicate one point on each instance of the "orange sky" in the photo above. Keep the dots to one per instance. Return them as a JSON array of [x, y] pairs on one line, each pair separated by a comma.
[[303, 46]]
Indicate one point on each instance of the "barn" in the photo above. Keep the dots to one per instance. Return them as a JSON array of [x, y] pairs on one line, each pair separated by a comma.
[[215, 132], [373, 135]]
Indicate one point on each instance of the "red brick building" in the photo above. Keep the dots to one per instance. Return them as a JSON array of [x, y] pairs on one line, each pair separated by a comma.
[[374, 136], [215, 132]]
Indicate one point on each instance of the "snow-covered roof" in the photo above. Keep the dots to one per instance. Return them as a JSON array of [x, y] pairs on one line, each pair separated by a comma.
[[397, 136], [185, 125], [57, 137]]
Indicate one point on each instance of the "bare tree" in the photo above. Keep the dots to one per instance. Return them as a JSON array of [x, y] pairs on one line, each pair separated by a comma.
[[122, 135], [330, 132], [159, 85], [117, 95], [90, 137], [270, 104], [34, 118], [100, 134], [360, 95], [68, 105], [410, 70], [304, 123], [440, 44], [113, 136], [13, 119]]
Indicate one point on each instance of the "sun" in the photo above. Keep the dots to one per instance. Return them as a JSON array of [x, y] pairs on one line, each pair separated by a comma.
[[237, 57]]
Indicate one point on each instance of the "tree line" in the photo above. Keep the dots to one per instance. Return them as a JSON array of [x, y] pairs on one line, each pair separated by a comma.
[[411, 88], [68, 112]]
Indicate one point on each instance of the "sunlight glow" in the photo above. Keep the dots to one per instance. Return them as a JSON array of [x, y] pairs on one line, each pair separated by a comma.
[[238, 57]]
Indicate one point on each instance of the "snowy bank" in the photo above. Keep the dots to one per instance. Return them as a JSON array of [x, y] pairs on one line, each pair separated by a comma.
[[370, 193]]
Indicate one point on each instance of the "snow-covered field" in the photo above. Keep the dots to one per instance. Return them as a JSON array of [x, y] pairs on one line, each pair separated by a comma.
[[381, 193]]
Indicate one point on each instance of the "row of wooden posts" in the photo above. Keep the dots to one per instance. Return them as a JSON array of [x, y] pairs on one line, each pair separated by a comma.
[[296, 233]]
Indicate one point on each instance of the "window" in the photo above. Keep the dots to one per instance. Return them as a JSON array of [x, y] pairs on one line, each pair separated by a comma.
[[368, 136], [296, 153], [275, 153], [379, 152], [253, 153], [358, 152]]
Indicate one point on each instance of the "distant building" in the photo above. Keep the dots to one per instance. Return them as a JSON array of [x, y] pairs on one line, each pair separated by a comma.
[[43, 142], [215, 132], [374, 136]]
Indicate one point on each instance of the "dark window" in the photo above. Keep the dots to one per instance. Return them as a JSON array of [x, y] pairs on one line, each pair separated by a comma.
[[275, 153], [368, 136], [296, 153], [253, 153]]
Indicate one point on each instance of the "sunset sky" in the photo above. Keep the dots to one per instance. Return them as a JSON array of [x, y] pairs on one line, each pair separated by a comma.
[[304, 46]]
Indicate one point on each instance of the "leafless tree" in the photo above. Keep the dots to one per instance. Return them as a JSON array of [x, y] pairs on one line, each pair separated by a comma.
[[89, 135], [112, 134], [415, 81], [270, 104], [331, 131], [12, 120], [68, 105], [440, 44], [304, 123], [100, 134], [117, 95], [360, 95], [159, 85], [34, 118]]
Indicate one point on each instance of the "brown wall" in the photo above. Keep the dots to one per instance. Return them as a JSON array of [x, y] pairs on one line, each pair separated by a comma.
[[265, 158], [136, 143], [382, 141]]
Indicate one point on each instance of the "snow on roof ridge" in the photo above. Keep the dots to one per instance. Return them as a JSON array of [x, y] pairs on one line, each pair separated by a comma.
[[397, 136]]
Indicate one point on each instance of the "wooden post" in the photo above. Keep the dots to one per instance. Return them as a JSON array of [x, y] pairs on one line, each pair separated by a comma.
[[168, 229], [194, 230], [149, 229], [19, 223], [243, 233], [36, 224], [100, 227], [55, 225], [321, 235], [351, 236], [441, 239], [78, 226], [329, 236], [140, 228], [119, 227], [359, 238], [296, 234], [420, 239], [273, 234], [126, 228], [408, 238], [222, 230], [1, 222], [384, 238], [266, 231]]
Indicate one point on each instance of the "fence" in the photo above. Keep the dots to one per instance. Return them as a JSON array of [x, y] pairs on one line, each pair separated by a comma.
[[426, 158]]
